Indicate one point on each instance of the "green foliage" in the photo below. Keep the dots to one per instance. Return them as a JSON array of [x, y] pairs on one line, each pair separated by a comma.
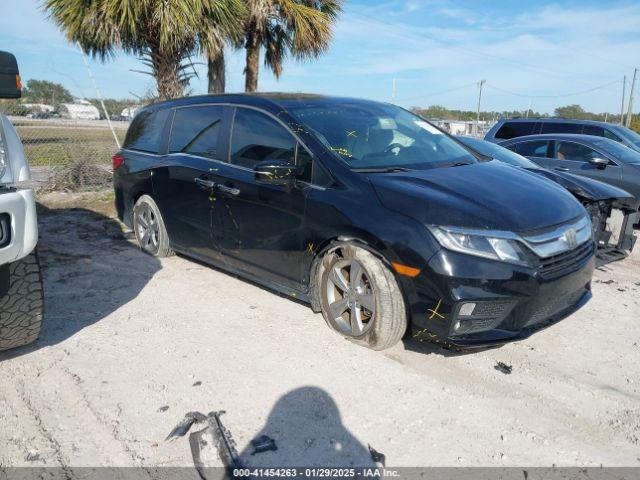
[[43, 91], [443, 113], [164, 33], [301, 29]]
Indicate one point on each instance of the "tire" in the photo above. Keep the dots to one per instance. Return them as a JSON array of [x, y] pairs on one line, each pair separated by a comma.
[[149, 228], [375, 315], [22, 306]]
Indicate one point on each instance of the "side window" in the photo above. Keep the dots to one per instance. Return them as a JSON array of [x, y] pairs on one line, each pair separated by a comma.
[[574, 151], [146, 131], [196, 130], [558, 127], [612, 136], [536, 148], [594, 130], [257, 137], [515, 129]]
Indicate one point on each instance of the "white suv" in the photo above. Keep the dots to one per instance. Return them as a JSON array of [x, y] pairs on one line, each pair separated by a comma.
[[21, 295]]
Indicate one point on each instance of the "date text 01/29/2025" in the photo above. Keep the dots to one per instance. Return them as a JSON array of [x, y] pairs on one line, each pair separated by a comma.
[[315, 472]]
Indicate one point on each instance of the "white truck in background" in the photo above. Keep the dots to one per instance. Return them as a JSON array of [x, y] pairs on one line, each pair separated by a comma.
[[21, 293]]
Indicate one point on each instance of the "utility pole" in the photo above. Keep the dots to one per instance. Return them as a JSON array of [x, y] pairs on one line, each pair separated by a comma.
[[393, 91], [477, 126], [633, 88], [624, 94]]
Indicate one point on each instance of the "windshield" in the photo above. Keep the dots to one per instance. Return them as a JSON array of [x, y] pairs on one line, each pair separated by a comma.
[[619, 151], [629, 135], [380, 136], [497, 152]]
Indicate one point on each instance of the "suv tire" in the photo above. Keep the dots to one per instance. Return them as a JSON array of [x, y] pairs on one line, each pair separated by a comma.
[[373, 301], [22, 306], [149, 228]]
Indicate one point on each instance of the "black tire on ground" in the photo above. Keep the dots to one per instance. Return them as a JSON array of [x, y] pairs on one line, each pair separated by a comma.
[[22, 306], [156, 243], [388, 323]]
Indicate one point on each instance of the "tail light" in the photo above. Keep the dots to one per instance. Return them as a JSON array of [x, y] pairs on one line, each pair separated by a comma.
[[117, 161]]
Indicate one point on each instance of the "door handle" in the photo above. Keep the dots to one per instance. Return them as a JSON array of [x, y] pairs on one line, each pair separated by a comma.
[[204, 183], [230, 190], [561, 169]]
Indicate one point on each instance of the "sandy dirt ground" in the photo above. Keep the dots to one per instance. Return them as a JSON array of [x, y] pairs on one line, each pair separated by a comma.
[[131, 344]]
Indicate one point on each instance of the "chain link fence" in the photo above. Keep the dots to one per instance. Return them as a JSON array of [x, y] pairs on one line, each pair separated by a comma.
[[71, 152]]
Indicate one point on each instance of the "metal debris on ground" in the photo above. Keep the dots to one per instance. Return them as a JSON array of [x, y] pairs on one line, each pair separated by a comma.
[[503, 367], [263, 443], [215, 435], [376, 456], [181, 429], [164, 408]]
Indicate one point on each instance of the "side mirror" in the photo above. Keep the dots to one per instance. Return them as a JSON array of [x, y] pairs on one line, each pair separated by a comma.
[[274, 172], [10, 85], [601, 163]]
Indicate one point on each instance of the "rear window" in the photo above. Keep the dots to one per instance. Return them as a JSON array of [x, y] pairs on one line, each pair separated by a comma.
[[561, 127], [515, 129], [146, 131], [196, 130]]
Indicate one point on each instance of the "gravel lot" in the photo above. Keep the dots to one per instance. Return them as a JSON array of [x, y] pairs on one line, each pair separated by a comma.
[[131, 344]]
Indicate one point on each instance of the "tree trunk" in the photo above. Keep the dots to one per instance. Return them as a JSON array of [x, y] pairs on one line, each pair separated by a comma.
[[253, 60], [165, 68], [216, 72]]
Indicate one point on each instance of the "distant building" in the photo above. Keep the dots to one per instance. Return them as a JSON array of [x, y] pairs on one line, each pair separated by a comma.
[[79, 110], [39, 107], [130, 112]]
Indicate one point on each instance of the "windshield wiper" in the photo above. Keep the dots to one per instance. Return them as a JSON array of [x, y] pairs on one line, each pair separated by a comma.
[[382, 170], [459, 164]]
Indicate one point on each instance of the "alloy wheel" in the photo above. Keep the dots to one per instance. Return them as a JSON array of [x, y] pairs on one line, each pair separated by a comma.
[[147, 226], [350, 297]]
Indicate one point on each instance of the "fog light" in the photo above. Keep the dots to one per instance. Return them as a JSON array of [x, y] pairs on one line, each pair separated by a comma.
[[467, 309]]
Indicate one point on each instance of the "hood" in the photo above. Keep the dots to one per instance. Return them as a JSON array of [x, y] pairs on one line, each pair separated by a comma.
[[587, 188], [486, 195]]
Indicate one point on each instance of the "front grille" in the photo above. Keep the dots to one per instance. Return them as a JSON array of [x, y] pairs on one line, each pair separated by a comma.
[[558, 265], [555, 306]]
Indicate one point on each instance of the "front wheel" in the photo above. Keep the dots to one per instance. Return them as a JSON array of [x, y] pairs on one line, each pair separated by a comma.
[[21, 307], [360, 298]]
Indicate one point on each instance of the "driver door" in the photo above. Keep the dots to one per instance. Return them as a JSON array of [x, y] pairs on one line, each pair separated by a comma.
[[261, 228]]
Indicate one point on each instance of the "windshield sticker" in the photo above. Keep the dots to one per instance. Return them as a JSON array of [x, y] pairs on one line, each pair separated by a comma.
[[428, 127], [387, 124]]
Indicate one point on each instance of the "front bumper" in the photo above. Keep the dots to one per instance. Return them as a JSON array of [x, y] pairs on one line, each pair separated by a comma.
[[512, 302], [20, 207]]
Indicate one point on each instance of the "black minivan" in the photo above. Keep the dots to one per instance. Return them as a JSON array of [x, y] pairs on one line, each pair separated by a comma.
[[379, 220]]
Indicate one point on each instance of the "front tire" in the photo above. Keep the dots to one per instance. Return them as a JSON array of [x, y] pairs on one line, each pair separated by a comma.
[[149, 228], [22, 306], [360, 298]]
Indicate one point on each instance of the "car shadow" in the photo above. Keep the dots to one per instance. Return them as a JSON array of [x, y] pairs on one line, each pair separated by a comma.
[[307, 428], [89, 269]]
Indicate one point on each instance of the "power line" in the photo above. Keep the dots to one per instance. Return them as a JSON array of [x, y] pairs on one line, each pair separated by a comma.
[[599, 87]]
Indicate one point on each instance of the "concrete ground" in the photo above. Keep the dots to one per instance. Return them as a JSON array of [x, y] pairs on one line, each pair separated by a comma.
[[132, 343]]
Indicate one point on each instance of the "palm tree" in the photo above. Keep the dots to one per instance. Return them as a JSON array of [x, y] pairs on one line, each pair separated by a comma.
[[301, 28], [165, 33]]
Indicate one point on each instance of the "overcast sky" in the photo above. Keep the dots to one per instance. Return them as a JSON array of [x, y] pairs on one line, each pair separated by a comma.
[[547, 53]]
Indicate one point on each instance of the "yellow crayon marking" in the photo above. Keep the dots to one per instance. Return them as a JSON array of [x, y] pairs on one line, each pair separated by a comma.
[[434, 312]]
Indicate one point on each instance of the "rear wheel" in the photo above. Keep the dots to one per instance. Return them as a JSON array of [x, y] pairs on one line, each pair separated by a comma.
[[21, 307], [360, 298], [149, 228]]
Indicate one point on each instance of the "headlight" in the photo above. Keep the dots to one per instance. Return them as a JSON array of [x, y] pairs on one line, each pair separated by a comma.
[[495, 245]]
